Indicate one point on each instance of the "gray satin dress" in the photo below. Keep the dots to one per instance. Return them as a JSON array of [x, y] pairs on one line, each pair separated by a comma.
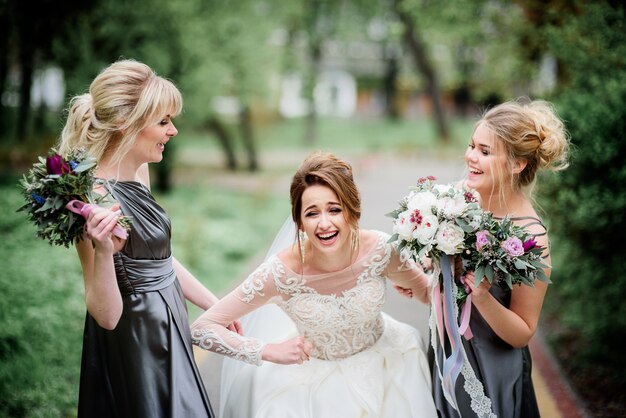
[[504, 371], [144, 368]]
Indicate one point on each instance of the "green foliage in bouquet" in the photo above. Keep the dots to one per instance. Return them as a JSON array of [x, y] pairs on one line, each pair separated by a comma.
[[52, 183], [505, 253]]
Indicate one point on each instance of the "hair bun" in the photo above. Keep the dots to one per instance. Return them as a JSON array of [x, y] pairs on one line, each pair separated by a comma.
[[553, 137]]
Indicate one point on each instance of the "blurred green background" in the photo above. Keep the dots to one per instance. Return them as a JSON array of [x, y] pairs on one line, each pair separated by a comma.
[[266, 82]]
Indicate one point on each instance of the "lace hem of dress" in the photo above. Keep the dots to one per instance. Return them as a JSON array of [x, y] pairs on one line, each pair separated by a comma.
[[480, 403]]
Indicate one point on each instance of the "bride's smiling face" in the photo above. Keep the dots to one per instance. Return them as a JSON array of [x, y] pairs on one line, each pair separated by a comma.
[[323, 219]]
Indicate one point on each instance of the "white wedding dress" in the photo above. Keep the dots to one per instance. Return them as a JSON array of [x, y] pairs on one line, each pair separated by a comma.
[[363, 363]]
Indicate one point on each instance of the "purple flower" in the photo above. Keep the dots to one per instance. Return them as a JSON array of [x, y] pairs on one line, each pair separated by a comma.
[[529, 245], [469, 197], [56, 165], [513, 246], [482, 239]]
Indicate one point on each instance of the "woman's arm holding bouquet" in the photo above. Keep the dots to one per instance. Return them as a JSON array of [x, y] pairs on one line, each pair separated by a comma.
[[517, 324], [102, 295], [408, 277]]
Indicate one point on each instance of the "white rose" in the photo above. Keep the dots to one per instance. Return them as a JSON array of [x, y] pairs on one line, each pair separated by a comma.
[[449, 237], [403, 226], [426, 230], [442, 188], [422, 201], [475, 221], [452, 207]]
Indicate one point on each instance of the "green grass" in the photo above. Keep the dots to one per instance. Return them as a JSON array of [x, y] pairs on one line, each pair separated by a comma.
[[341, 135]]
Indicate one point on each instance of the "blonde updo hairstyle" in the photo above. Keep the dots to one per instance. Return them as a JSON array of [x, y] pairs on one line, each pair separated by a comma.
[[126, 97], [322, 168], [530, 131]]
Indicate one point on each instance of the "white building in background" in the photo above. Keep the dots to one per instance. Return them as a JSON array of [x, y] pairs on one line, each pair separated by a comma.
[[48, 88], [335, 93]]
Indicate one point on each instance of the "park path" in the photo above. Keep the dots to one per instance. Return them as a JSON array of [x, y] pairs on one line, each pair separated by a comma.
[[383, 180]]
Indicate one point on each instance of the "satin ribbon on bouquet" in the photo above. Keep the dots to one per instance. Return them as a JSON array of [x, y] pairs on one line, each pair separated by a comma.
[[445, 315], [84, 209]]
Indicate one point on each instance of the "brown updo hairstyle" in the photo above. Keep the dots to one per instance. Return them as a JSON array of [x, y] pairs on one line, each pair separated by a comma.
[[323, 168], [530, 131], [126, 97]]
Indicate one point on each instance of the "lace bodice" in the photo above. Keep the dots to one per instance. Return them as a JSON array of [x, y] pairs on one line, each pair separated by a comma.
[[338, 312]]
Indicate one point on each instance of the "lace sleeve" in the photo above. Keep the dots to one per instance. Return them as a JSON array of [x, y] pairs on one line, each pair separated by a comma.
[[209, 330], [405, 272]]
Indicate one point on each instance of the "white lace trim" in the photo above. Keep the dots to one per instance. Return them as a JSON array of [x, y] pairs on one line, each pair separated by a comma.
[[339, 326], [248, 350], [480, 403]]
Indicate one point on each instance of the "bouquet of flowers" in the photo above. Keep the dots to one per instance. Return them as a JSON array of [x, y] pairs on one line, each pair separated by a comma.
[[505, 253], [59, 196], [435, 219]]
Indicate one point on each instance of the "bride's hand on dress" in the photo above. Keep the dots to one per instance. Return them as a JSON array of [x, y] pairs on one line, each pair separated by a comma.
[[236, 327], [294, 351], [99, 229]]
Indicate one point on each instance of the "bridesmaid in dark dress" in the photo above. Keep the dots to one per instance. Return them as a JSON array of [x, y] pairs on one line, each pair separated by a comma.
[[509, 145], [137, 356]]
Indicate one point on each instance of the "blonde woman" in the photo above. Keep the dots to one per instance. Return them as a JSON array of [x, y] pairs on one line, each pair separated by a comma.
[[510, 145], [137, 356]]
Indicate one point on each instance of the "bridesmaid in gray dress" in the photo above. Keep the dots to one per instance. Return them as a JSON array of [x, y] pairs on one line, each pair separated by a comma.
[[137, 356], [509, 145]]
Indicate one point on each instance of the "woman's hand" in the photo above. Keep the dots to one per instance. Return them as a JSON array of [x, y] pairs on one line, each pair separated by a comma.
[[427, 264], [99, 228], [294, 351], [480, 292], [404, 291], [236, 327]]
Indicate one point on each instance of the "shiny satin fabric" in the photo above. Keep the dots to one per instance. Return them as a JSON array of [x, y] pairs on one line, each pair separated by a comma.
[[145, 366], [504, 371]]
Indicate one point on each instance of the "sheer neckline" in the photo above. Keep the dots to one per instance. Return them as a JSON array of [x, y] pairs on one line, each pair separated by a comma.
[[367, 253]]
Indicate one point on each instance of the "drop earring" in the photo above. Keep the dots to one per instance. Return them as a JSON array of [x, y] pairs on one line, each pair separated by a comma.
[[301, 238]]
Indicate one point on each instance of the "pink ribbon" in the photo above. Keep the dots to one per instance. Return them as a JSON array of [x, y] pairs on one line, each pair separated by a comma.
[[439, 313], [464, 328], [84, 209]]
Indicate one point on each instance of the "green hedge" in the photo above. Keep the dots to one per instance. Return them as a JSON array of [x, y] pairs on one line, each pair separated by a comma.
[[587, 204]]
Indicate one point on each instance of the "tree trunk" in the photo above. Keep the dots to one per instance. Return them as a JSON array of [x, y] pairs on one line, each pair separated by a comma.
[[418, 51], [164, 169], [225, 140], [390, 82], [26, 83], [4, 70], [245, 122], [315, 55]]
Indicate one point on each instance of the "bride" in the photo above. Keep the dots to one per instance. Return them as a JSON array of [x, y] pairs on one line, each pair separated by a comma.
[[334, 353]]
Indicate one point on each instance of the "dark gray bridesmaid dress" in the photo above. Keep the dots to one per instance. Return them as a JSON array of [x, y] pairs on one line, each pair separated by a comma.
[[504, 371], [144, 368]]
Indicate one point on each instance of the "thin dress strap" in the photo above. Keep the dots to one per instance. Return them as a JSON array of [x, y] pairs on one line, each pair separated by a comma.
[[105, 183]]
